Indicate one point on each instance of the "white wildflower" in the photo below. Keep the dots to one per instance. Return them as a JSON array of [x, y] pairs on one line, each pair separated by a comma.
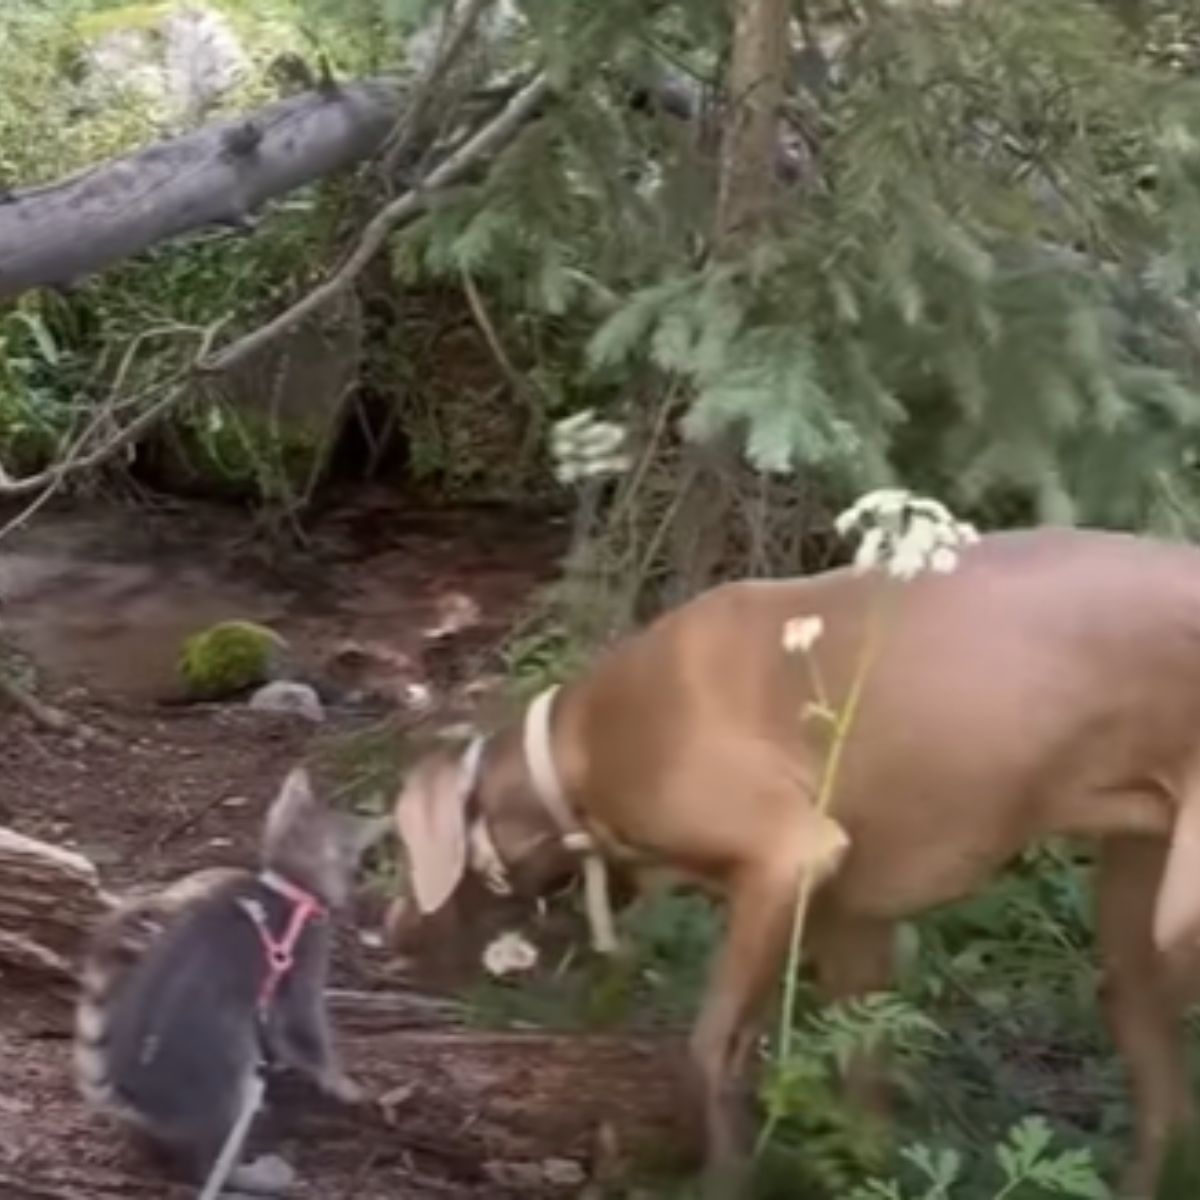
[[905, 534], [508, 954], [882, 503], [802, 633], [870, 549], [585, 447], [907, 560]]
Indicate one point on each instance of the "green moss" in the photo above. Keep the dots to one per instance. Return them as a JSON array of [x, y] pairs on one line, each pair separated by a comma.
[[129, 16], [229, 657]]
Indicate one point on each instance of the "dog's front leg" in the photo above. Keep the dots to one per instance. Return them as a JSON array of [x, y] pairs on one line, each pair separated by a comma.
[[761, 905], [1142, 1003]]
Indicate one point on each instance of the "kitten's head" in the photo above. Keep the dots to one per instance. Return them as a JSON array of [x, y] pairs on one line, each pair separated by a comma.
[[313, 846]]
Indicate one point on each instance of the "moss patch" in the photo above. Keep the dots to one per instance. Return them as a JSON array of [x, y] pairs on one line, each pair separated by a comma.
[[228, 658]]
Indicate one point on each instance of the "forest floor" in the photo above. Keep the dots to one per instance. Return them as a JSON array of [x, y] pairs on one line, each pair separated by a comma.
[[98, 602]]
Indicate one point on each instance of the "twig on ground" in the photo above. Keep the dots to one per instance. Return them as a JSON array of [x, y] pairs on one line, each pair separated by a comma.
[[188, 821], [46, 715]]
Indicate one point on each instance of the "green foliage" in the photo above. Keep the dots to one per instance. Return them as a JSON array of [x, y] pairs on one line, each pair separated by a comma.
[[228, 657], [534, 661], [975, 291], [802, 1095], [1026, 1169], [134, 326], [995, 1027], [41, 378], [1180, 1178]]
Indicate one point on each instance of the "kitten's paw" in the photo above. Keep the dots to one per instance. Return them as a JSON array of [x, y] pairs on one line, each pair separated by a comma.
[[342, 1087], [269, 1175]]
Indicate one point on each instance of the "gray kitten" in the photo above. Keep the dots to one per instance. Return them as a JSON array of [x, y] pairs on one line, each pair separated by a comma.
[[180, 1006]]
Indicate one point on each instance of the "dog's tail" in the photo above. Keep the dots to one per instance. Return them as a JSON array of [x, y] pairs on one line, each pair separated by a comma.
[[118, 943]]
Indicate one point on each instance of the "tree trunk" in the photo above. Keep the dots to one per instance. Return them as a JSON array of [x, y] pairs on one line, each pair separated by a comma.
[[748, 188]]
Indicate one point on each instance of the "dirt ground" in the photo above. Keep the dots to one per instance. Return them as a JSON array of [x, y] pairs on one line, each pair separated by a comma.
[[98, 602]]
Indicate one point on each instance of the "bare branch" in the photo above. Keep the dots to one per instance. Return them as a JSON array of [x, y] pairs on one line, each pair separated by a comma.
[[494, 136], [400, 139], [78, 458]]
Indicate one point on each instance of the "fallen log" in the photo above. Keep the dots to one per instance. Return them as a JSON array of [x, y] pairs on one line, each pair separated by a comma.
[[60, 233], [49, 898], [457, 1113], [463, 1114]]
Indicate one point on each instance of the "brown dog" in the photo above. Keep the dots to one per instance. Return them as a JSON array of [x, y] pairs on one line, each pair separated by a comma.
[[1049, 686]]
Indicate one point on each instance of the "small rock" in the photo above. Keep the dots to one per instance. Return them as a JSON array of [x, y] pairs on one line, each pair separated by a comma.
[[375, 672], [455, 612], [294, 699], [562, 1172]]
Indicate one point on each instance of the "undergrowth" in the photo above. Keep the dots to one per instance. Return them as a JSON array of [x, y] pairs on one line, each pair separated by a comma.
[[1004, 1080]]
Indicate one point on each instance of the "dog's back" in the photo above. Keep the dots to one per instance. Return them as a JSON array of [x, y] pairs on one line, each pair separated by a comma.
[[988, 717]]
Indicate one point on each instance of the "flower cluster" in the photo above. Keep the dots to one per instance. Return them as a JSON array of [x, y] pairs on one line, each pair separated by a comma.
[[585, 447], [508, 954], [800, 634], [905, 534]]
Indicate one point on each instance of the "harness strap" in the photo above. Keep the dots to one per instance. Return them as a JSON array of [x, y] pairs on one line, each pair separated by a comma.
[[231, 1151], [547, 785], [280, 952]]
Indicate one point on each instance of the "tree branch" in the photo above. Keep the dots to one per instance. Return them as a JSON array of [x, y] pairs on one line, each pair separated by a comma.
[[493, 137], [77, 460], [400, 139]]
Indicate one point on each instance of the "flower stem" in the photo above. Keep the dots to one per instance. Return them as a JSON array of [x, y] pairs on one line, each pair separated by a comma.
[[842, 726]]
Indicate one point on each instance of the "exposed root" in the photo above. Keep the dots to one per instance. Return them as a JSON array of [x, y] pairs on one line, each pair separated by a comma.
[[47, 716]]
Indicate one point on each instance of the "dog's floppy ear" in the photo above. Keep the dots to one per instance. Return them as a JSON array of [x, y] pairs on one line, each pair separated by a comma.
[[431, 820], [1177, 909]]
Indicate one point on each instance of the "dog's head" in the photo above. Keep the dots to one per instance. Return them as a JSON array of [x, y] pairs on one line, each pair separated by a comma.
[[478, 845]]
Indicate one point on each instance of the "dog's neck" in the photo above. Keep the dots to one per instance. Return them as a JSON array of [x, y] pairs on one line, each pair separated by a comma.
[[537, 767]]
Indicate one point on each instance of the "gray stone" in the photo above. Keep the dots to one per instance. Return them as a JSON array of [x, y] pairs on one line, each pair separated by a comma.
[[292, 699]]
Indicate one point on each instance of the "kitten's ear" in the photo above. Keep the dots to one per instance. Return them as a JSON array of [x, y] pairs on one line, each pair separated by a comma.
[[295, 804]]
